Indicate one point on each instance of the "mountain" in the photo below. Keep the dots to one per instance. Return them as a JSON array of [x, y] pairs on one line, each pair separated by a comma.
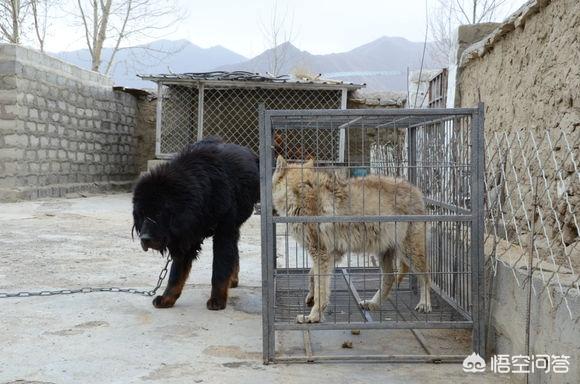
[[161, 56], [381, 64]]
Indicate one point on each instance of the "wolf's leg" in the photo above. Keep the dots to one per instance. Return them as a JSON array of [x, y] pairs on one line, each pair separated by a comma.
[[425, 298], [402, 272], [415, 247], [321, 269], [310, 297], [387, 278], [225, 260]]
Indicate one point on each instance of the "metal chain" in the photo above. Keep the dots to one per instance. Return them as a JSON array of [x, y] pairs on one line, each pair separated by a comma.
[[162, 274]]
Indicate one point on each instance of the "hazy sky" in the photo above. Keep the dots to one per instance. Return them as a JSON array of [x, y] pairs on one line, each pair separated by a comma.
[[319, 26]]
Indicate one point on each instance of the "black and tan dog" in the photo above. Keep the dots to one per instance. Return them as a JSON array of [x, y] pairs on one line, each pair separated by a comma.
[[209, 189]]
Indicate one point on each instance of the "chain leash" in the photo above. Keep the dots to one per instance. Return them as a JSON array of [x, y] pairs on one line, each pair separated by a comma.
[[162, 274]]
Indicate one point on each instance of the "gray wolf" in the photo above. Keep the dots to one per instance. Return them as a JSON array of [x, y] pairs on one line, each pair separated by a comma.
[[301, 190]]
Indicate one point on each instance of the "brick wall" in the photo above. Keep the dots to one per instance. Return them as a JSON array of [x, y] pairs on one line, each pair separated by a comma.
[[62, 129]]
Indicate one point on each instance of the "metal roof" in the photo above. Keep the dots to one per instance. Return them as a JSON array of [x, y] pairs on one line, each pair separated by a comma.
[[243, 79]]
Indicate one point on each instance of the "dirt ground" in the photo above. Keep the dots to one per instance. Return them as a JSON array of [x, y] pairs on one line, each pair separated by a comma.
[[121, 338]]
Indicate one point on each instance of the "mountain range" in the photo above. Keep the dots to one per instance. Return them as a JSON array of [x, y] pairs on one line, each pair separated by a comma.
[[161, 56], [381, 64]]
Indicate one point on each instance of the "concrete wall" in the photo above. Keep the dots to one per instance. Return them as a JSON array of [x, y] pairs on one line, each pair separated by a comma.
[[63, 129], [552, 331]]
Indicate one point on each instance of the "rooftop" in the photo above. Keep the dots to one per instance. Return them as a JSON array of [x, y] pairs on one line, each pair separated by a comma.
[[245, 79]]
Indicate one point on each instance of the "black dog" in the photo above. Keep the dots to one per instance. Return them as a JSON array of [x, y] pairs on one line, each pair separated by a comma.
[[209, 189]]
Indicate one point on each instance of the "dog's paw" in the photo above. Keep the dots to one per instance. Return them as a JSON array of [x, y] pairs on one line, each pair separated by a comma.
[[309, 300], [423, 307], [215, 304], [163, 302], [301, 319], [369, 305], [234, 283]]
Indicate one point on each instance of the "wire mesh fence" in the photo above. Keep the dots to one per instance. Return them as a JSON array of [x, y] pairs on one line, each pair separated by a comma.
[[230, 112], [382, 230], [533, 195], [179, 122]]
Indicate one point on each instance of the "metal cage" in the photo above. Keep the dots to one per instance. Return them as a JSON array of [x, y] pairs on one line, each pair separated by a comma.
[[440, 152]]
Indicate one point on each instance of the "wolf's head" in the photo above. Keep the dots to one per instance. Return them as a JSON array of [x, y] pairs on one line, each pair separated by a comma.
[[290, 184]]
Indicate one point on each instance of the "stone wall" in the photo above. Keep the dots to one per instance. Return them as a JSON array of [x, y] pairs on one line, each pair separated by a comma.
[[63, 129]]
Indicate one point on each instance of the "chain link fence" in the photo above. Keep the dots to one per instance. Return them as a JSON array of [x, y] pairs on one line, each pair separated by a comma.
[[533, 196], [232, 113], [178, 118]]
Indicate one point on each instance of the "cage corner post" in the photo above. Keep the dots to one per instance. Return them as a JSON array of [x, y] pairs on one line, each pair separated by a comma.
[[268, 252], [200, 114], [477, 229], [158, 119], [342, 131]]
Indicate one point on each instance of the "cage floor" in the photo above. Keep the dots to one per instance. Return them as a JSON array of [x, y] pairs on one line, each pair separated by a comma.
[[347, 287]]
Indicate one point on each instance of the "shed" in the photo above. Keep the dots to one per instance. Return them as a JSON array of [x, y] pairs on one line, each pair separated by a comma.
[[191, 106]]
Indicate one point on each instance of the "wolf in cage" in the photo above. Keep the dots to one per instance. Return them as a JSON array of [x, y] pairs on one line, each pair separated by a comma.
[[300, 189]]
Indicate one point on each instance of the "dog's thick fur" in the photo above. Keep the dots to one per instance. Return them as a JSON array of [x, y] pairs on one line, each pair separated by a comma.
[[301, 190], [209, 189]]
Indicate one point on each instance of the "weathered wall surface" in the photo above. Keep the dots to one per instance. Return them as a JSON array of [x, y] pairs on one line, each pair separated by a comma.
[[527, 74], [145, 130], [551, 330], [363, 99], [529, 78], [63, 129]]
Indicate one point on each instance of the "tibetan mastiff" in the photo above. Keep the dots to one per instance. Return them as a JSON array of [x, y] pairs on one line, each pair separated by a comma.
[[209, 189]]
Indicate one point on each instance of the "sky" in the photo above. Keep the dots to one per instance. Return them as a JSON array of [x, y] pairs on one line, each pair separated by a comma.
[[318, 26]]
